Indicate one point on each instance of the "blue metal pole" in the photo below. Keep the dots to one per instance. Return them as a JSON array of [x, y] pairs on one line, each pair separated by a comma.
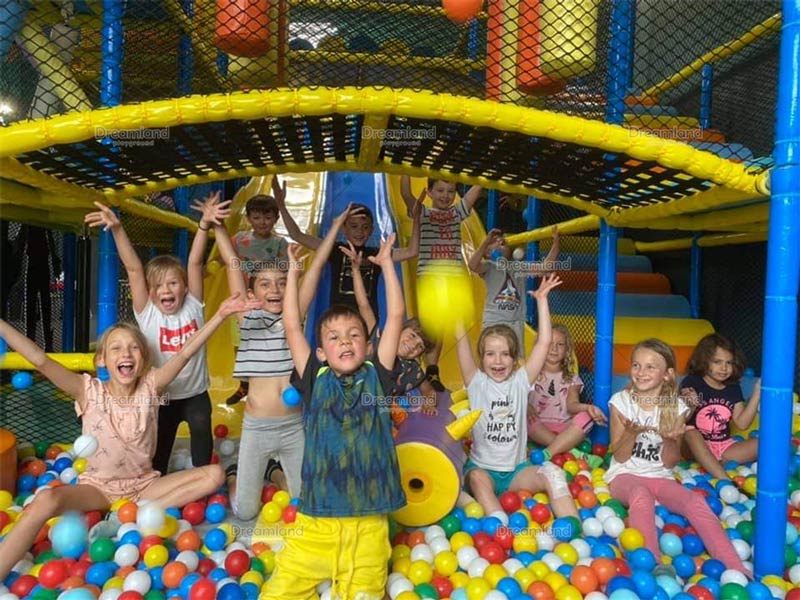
[[695, 277], [491, 209], [780, 308], [706, 87], [533, 216], [623, 15], [180, 243], [185, 73], [69, 248], [112, 40]]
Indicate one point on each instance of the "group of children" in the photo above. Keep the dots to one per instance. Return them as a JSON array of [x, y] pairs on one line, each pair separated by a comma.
[[335, 447]]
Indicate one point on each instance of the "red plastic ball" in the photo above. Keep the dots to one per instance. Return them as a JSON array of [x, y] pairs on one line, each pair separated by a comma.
[[540, 513], [599, 450], [462, 11], [218, 499], [289, 514], [574, 489], [504, 538], [41, 546], [92, 518], [203, 589], [510, 502], [700, 592], [622, 567], [4, 519], [23, 585], [130, 595], [221, 431], [793, 594], [443, 586], [194, 512], [268, 492], [400, 538], [673, 528], [237, 563], [205, 566], [53, 573], [493, 553], [560, 460], [79, 568], [480, 539], [148, 542]]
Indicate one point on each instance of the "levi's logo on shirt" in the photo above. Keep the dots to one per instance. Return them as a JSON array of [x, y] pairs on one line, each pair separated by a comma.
[[172, 340]]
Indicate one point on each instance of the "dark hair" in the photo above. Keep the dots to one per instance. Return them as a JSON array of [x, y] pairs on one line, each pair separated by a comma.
[[415, 326], [704, 352], [362, 210], [432, 181], [278, 264], [336, 311], [261, 203]]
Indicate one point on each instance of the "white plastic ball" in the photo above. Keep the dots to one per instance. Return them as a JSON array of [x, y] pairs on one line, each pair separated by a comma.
[[603, 513], [67, 475], [23, 566], [659, 522], [795, 498], [238, 546], [227, 447], [433, 532], [613, 526], [595, 596], [125, 528], [183, 525], [727, 512], [150, 518], [582, 547], [794, 574], [188, 558], [465, 556], [84, 446], [477, 567], [438, 545], [518, 254], [110, 594], [729, 494], [495, 595], [422, 552], [585, 562], [389, 580], [512, 565], [126, 555], [742, 549], [545, 541], [552, 560], [733, 520], [592, 527], [733, 576], [777, 592], [501, 516], [138, 581], [218, 556], [9, 596], [399, 586]]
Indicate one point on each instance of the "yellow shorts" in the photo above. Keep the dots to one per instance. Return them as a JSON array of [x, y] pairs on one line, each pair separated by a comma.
[[354, 552], [235, 335]]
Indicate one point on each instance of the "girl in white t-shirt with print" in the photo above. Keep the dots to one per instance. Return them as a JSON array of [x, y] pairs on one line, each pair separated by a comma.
[[498, 460], [647, 423], [168, 306]]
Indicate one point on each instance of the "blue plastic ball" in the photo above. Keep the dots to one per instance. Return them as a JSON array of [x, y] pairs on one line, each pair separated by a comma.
[[155, 577], [291, 397], [642, 559], [215, 513], [62, 463], [684, 565], [22, 380], [600, 550], [217, 574], [26, 483], [758, 591], [99, 573], [509, 586], [250, 590], [526, 558], [714, 504], [517, 522], [215, 539], [70, 536], [692, 544], [620, 582], [565, 570], [563, 529], [131, 537], [471, 525], [645, 584], [230, 591], [712, 585], [174, 512], [187, 582], [670, 544], [459, 594], [490, 525], [537, 456], [623, 594], [458, 513], [713, 568], [77, 593]]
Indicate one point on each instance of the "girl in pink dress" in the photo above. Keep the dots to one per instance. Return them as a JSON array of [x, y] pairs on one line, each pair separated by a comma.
[[121, 414]]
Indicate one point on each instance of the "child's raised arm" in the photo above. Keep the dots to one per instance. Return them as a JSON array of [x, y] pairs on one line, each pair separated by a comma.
[[395, 308], [408, 197], [64, 379], [292, 325], [362, 300], [476, 263], [471, 197], [552, 256], [165, 374], [744, 413], [544, 334], [279, 192], [412, 250], [230, 258], [213, 212], [466, 360], [106, 218]]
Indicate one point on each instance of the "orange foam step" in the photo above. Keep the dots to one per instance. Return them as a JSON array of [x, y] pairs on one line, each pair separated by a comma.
[[8, 461], [622, 357]]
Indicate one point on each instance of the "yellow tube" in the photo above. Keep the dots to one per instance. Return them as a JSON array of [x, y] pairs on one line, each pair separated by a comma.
[[156, 214], [763, 29], [573, 226], [384, 7], [50, 65], [14, 170], [72, 360], [717, 220], [706, 241]]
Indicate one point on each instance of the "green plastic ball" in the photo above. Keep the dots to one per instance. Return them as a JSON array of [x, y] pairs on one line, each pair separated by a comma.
[[102, 550], [585, 446], [617, 507], [789, 557], [257, 565], [41, 448], [426, 590], [733, 591], [46, 556], [154, 595], [745, 529], [451, 525]]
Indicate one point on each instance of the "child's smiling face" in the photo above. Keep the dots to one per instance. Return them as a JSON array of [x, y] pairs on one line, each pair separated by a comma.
[[343, 344]]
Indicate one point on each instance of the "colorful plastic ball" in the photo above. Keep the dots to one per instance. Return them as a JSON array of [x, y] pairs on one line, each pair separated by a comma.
[[713, 568], [215, 513], [22, 380], [53, 573], [221, 431], [631, 539], [203, 589], [194, 513], [84, 446], [156, 556], [237, 563], [445, 298], [290, 396], [150, 518], [126, 555], [462, 11], [642, 559], [215, 539], [137, 581], [684, 565], [79, 593], [537, 456], [510, 502], [173, 573], [230, 591], [670, 544], [70, 536]]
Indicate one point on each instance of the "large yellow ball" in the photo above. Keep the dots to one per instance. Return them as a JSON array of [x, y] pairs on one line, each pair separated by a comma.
[[444, 297], [631, 539]]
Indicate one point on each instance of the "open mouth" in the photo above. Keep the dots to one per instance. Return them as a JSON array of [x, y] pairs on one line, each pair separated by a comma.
[[498, 371], [126, 369], [347, 355], [168, 302]]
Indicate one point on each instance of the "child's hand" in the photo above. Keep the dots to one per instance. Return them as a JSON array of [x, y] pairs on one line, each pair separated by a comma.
[[237, 304], [597, 415], [429, 406], [104, 217], [690, 397], [420, 202], [295, 262], [339, 220], [384, 255], [548, 283], [213, 212], [635, 427], [354, 255], [673, 433], [279, 191]]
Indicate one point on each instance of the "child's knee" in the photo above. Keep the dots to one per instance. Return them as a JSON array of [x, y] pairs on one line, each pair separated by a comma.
[[641, 495], [215, 475], [555, 480], [47, 503], [583, 421], [480, 481]]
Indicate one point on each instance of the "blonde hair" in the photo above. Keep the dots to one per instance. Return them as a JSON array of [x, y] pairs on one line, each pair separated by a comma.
[[502, 331], [156, 269], [668, 413], [567, 372], [100, 351]]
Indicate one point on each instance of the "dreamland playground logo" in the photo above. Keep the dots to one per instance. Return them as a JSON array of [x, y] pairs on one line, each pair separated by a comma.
[[680, 134], [142, 137], [401, 136]]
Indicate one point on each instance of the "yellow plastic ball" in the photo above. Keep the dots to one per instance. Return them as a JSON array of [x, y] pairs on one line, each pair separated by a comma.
[[697, 577], [407, 595], [444, 298], [459, 579], [776, 581], [603, 497], [539, 569], [571, 467], [113, 583], [400, 551], [230, 532], [281, 498], [252, 577], [541, 497], [6, 499], [446, 563], [401, 565], [474, 510], [271, 512], [568, 592], [555, 580], [631, 539], [461, 539], [7, 529], [79, 464], [567, 553], [34, 570], [524, 577], [119, 503], [419, 572], [267, 558], [156, 556], [494, 573], [525, 542], [749, 486], [477, 588], [169, 528]]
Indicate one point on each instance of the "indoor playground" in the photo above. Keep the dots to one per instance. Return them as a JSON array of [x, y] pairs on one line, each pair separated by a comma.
[[660, 138]]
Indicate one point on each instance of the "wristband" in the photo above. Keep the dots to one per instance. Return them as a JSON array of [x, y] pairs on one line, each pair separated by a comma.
[[203, 228]]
